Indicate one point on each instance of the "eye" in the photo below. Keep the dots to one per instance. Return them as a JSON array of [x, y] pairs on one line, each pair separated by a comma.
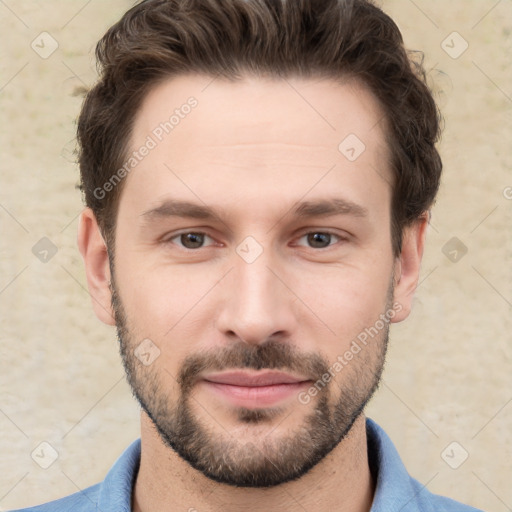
[[191, 240], [318, 239]]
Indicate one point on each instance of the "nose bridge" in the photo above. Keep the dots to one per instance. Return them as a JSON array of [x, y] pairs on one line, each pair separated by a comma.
[[256, 306], [255, 287]]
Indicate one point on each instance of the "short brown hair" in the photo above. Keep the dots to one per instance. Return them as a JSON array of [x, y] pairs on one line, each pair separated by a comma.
[[159, 39]]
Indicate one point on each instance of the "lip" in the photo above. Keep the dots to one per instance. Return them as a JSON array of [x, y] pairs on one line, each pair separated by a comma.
[[256, 389], [253, 379]]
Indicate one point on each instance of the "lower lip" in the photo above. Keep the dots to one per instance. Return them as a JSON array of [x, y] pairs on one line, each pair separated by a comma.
[[253, 397]]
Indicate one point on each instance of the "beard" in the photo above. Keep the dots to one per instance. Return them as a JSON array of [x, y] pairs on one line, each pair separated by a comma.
[[264, 460]]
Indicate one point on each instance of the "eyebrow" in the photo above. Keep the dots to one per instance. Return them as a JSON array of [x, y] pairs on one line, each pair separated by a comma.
[[176, 208], [330, 207], [304, 209]]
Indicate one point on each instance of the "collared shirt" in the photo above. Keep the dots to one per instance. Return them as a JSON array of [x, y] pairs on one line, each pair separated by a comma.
[[395, 491]]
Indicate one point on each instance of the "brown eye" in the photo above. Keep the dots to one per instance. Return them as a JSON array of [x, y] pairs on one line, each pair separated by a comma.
[[319, 240], [192, 240]]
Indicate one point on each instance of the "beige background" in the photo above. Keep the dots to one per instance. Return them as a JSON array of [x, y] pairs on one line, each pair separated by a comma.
[[449, 372]]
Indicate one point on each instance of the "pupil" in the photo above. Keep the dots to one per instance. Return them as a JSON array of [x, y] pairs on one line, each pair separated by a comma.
[[192, 240], [319, 239]]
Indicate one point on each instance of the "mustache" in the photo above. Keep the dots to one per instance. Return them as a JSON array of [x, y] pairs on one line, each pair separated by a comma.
[[270, 355]]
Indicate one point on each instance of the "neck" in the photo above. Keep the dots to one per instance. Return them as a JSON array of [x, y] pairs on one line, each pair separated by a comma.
[[166, 483]]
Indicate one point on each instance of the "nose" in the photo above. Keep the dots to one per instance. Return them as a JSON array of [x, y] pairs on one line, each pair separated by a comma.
[[257, 305]]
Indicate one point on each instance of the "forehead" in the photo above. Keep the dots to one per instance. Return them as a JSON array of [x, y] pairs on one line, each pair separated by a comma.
[[260, 109], [222, 134]]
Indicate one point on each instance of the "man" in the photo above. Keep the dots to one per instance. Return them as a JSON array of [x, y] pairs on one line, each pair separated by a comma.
[[258, 177]]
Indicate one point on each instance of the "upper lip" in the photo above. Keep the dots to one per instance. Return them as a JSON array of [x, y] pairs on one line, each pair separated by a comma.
[[249, 379]]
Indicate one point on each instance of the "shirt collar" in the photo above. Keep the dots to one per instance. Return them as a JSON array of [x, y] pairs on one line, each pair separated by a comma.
[[116, 489], [395, 490]]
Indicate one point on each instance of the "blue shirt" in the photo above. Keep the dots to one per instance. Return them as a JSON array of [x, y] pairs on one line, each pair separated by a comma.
[[395, 490]]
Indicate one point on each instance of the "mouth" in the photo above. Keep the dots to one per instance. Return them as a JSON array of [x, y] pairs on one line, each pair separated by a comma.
[[254, 389]]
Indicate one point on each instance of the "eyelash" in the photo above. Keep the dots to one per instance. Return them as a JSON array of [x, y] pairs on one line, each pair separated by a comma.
[[178, 236]]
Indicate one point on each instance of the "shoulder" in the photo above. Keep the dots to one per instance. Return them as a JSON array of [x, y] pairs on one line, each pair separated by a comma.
[[430, 502], [83, 501], [395, 488], [114, 493]]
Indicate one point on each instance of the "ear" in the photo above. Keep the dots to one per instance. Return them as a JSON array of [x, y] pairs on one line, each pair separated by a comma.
[[407, 265], [93, 249]]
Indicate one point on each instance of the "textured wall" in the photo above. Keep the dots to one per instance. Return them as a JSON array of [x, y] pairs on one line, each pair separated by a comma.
[[449, 372]]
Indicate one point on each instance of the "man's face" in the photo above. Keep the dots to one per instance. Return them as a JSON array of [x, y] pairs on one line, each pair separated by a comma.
[[253, 252]]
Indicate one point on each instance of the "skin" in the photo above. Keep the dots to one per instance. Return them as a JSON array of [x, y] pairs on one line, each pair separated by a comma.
[[252, 150]]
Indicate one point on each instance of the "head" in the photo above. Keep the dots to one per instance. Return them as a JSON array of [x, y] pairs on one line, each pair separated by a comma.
[[258, 176]]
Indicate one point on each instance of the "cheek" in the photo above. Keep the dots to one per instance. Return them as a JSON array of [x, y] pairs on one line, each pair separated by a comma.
[[166, 303], [341, 304]]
